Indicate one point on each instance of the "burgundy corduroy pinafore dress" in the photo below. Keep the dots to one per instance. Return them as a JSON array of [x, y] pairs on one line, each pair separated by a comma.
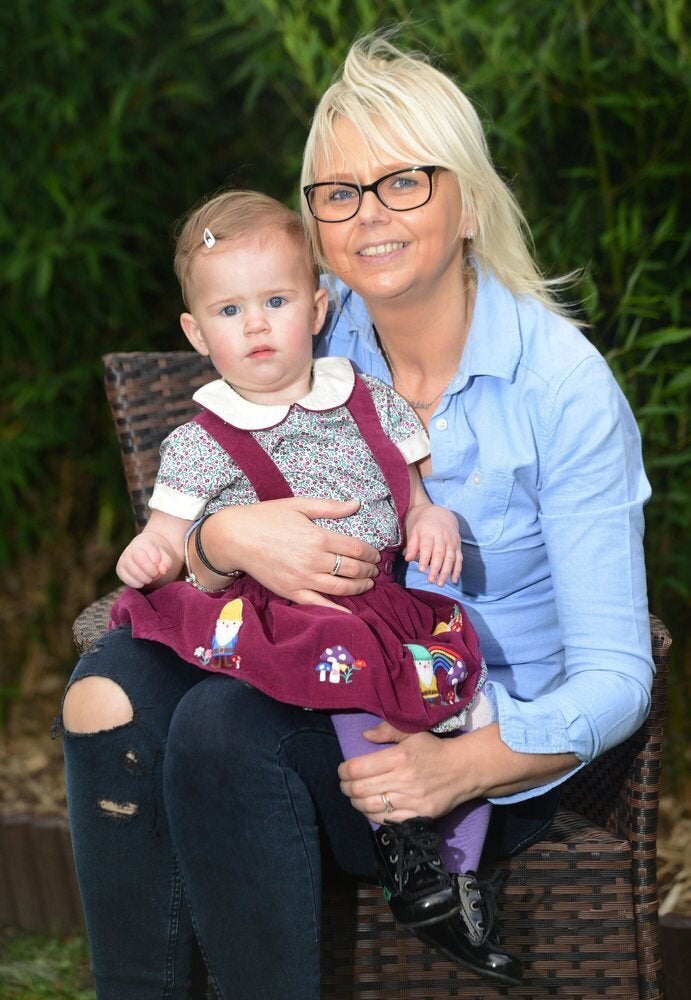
[[409, 656]]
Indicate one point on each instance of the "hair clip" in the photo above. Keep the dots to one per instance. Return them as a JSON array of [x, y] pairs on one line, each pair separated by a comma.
[[209, 238]]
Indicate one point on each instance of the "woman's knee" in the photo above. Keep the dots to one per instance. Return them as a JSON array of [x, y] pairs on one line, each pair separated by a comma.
[[93, 704]]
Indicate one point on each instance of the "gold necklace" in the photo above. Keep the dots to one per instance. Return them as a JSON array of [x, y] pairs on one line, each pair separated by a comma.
[[417, 404]]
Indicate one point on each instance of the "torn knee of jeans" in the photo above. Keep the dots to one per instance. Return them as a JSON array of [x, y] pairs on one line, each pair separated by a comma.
[[120, 811]]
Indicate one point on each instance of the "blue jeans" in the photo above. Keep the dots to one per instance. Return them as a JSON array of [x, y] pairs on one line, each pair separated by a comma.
[[206, 816]]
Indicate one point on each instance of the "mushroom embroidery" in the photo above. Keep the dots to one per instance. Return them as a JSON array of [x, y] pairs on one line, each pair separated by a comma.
[[449, 670], [336, 662]]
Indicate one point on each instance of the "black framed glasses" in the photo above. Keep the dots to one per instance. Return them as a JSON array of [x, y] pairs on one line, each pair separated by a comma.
[[402, 190]]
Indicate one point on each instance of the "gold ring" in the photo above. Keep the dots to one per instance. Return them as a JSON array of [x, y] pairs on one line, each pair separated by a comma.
[[388, 807]]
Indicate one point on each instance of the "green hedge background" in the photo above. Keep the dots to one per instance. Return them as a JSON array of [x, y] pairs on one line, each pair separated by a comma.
[[117, 115]]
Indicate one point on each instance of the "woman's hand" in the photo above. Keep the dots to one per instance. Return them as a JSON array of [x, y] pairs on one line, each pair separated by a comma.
[[423, 775], [414, 773], [278, 544]]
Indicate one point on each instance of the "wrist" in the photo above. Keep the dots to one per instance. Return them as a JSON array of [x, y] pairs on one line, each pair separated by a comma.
[[231, 574], [200, 571]]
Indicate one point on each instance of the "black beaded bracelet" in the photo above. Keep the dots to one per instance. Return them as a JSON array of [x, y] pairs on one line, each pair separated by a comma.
[[202, 555]]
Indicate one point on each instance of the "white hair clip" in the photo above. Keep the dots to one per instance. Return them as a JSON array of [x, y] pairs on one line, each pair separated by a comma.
[[209, 238]]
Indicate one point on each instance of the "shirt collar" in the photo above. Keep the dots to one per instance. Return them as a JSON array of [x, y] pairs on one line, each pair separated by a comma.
[[332, 384], [493, 346]]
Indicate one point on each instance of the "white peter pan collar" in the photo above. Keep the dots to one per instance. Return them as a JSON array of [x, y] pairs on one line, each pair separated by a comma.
[[332, 384]]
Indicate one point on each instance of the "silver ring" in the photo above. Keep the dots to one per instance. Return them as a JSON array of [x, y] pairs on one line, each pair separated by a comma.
[[337, 564], [388, 807]]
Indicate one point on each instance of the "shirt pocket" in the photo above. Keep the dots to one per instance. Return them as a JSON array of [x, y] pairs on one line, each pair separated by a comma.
[[481, 503]]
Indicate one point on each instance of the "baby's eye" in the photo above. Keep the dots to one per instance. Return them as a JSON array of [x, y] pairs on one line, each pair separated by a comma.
[[229, 311], [275, 302]]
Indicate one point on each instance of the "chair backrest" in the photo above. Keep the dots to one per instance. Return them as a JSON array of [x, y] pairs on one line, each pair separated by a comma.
[[149, 394]]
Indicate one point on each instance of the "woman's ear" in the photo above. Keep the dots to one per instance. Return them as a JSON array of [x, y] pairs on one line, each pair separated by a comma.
[[321, 302], [193, 333]]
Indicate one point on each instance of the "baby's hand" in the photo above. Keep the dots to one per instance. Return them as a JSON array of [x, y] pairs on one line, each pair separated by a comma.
[[434, 540], [144, 560]]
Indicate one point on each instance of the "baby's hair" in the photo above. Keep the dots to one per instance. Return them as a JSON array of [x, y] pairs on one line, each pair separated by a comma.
[[411, 111], [237, 216]]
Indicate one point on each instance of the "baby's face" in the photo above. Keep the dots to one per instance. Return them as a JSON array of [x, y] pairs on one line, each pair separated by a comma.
[[254, 311]]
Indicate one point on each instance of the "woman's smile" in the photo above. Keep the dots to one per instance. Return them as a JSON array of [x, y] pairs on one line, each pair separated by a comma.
[[380, 249]]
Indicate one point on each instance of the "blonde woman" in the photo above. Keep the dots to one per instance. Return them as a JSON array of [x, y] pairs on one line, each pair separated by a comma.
[[533, 446]]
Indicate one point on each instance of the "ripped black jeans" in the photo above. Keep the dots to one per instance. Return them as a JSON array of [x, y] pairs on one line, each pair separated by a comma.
[[217, 788]]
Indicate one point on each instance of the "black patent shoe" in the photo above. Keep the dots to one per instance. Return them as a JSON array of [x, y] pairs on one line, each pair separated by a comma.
[[417, 887], [469, 938]]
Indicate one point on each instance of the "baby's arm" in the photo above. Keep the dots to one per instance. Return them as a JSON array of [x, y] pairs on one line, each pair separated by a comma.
[[156, 556], [432, 536]]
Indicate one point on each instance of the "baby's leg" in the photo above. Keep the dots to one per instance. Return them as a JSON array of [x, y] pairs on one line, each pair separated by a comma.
[[349, 728], [463, 830]]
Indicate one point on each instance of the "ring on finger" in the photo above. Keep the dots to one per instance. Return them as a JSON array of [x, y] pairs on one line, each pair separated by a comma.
[[388, 805], [337, 564]]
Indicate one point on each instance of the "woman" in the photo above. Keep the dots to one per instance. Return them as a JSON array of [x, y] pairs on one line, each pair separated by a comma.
[[172, 778]]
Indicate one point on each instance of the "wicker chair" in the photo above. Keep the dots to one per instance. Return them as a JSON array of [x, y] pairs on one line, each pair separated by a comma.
[[580, 906]]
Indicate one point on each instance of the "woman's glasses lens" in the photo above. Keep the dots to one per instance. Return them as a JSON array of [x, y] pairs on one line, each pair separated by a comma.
[[336, 201]]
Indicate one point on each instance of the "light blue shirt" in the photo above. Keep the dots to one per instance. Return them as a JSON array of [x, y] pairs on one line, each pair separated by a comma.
[[537, 451]]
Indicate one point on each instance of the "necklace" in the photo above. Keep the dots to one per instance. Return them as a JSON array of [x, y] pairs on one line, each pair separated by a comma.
[[417, 404]]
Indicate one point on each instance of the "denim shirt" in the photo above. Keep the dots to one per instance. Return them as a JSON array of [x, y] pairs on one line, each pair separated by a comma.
[[536, 450]]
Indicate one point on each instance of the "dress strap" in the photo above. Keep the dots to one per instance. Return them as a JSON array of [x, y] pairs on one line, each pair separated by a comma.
[[267, 480], [387, 455]]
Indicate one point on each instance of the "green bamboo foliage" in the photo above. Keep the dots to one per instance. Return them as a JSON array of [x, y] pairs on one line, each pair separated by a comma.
[[117, 116]]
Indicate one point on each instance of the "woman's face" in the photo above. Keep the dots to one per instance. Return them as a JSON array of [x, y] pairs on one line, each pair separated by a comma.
[[383, 255]]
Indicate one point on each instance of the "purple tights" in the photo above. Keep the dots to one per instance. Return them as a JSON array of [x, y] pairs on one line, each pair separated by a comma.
[[463, 830]]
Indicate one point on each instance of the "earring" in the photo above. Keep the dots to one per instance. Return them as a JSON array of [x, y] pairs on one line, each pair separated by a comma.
[[470, 235]]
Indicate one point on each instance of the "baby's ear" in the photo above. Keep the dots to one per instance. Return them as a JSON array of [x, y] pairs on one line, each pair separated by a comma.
[[321, 302], [193, 333]]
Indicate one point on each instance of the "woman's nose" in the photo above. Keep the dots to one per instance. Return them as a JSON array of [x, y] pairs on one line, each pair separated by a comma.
[[371, 209]]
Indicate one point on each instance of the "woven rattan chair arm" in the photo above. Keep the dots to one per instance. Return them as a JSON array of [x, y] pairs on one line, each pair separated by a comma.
[[619, 790], [93, 621]]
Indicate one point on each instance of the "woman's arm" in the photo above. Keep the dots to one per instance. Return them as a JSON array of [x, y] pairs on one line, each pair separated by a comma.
[[278, 544]]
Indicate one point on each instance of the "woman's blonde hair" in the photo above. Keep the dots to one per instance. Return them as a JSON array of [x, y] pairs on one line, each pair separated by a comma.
[[235, 215], [406, 109]]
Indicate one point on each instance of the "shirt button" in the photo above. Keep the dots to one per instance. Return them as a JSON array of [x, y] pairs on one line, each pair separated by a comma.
[[441, 424], [388, 566], [477, 478]]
